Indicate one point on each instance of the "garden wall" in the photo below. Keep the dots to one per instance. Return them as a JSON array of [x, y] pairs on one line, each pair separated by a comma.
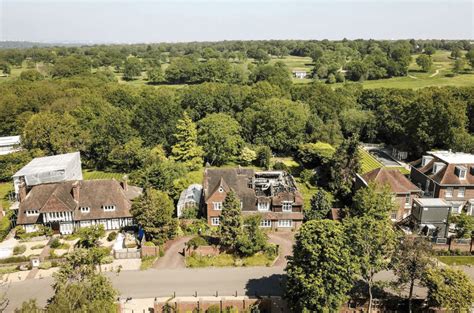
[[203, 250], [149, 251], [129, 253]]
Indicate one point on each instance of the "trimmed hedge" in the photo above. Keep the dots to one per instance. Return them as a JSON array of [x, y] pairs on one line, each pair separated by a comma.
[[20, 249]]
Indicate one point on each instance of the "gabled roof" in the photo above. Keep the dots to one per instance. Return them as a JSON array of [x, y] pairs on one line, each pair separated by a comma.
[[446, 175], [58, 197], [396, 181]]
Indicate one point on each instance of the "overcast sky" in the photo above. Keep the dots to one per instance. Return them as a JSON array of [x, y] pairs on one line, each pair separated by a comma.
[[129, 21]]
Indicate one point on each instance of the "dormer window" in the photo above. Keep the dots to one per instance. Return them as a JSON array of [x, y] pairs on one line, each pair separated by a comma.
[[461, 172], [287, 206], [425, 160], [438, 166], [32, 212], [108, 208], [85, 209]]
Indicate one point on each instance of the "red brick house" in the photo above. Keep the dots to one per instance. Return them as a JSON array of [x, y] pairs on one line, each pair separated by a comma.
[[403, 190], [446, 175], [272, 194]]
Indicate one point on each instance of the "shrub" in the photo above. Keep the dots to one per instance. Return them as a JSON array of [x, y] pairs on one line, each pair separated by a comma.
[[196, 227], [45, 265], [20, 232], [55, 243], [54, 263], [112, 236], [149, 244], [52, 254], [5, 225], [196, 242], [14, 259], [36, 247], [107, 259], [147, 262], [190, 213], [19, 249], [8, 270], [213, 309]]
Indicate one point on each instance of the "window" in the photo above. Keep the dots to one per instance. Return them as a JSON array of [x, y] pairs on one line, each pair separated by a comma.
[[265, 223], [215, 221], [461, 192], [284, 223], [263, 206], [449, 192], [32, 212], [108, 208], [393, 215], [217, 206], [85, 209], [221, 189], [471, 208], [457, 208], [407, 201], [286, 206]]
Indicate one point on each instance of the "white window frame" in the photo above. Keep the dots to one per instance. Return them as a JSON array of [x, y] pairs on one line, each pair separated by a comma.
[[85, 209], [461, 192], [265, 223], [285, 223], [393, 215], [214, 219], [263, 206], [449, 192], [32, 212], [108, 208], [217, 206], [287, 206], [408, 201]]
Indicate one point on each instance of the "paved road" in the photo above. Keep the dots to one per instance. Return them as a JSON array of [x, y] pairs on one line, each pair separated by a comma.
[[163, 283]]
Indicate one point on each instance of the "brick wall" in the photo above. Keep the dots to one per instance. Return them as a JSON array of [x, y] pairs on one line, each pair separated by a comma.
[[203, 250], [150, 251]]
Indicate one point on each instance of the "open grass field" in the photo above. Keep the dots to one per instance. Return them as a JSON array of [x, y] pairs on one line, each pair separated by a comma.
[[91, 174], [457, 260]]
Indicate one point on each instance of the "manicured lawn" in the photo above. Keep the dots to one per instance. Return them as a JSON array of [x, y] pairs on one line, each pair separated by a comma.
[[368, 162], [91, 174], [457, 260], [224, 259], [5, 188]]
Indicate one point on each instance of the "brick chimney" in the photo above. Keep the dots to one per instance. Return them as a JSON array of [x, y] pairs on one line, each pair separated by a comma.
[[22, 191], [124, 182], [76, 188]]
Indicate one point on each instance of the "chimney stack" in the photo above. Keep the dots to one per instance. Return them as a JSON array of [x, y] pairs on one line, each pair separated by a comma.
[[76, 188], [124, 183], [22, 191]]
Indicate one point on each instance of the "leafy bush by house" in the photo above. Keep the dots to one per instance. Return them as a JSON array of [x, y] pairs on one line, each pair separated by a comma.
[[5, 225], [23, 235], [45, 265], [55, 243], [197, 227], [213, 309], [8, 270], [107, 259], [112, 236], [14, 259], [149, 244], [196, 242], [189, 213], [20, 249]]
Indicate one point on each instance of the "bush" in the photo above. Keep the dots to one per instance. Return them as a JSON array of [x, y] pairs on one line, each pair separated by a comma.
[[52, 254], [55, 243], [189, 213], [19, 249], [36, 247], [112, 236], [45, 265], [149, 244], [147, 262], [213, 309], [197, 242], [196, 227], [8, 270], [5, 225], [54, 263], [107, 259], [14, 259]]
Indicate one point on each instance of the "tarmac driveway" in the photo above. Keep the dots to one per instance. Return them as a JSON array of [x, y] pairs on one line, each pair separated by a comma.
[[284, 240], [173, 257]]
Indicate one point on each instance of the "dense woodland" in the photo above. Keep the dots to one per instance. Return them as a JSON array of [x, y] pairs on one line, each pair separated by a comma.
[[70, 100]]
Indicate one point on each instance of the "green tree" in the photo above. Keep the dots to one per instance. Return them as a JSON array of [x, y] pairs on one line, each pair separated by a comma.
[[456, 53], [343, 168], [373, 201], [410, 262], [79, 288], [31, 75], [252, 239], [276, 74], [181, 70], [264, 157], [29, 306], [312, 155], [320, 206], [154, 211], [53, 133], [470, 57], [186, 149], [449, 288], [429, 50], [130, 156], [155, 75], [70, 66], [132, 69], [89, 236], [425, 62], [247, 156], [464, 225], [321, 270], [357, 71], [373, 244], [219, 135], [230, 225], [458, 66]]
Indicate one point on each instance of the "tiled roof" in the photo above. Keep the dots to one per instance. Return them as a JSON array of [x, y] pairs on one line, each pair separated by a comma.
[[58, 197], [447, 175], [397, 182]]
